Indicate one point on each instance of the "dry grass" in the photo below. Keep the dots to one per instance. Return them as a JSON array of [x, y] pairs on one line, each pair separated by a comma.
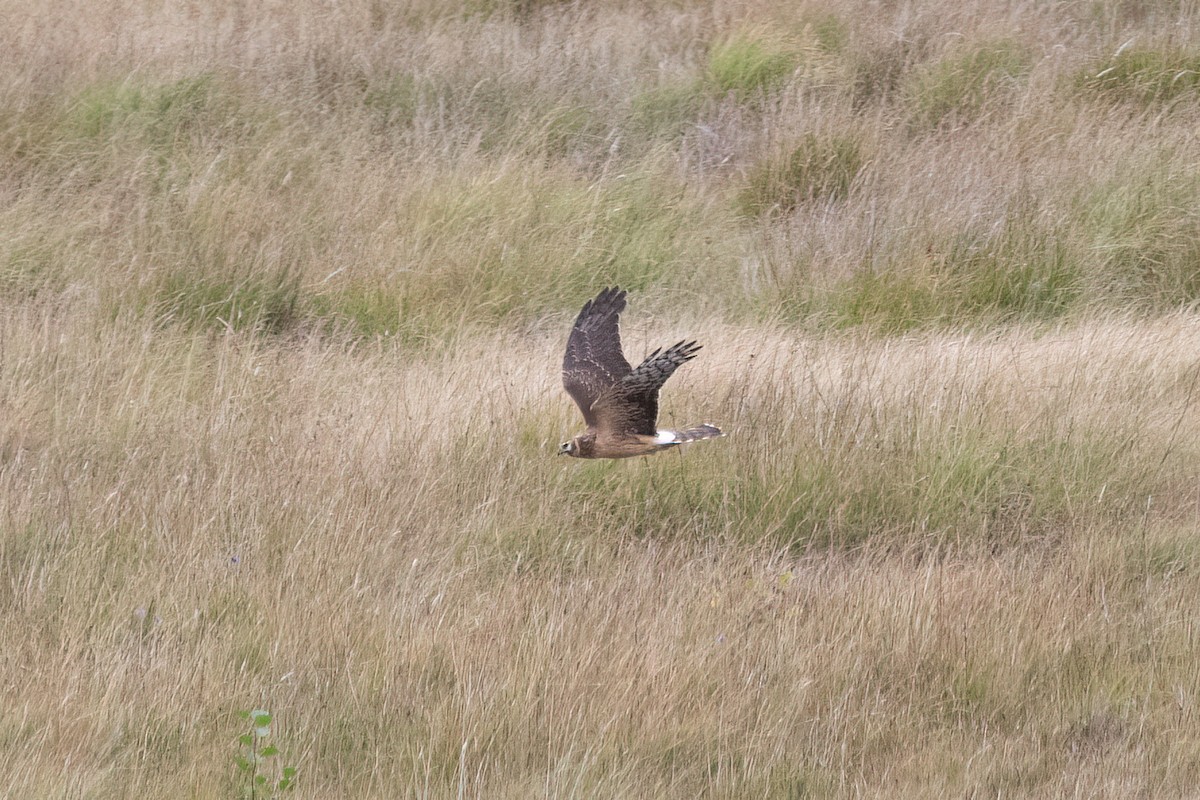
[[427, 600], [284, 290]]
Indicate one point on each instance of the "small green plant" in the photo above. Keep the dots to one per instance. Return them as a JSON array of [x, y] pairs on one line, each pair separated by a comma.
[[745, 65], [663, 112], [830, 32], [957, 88], [157, 116], [394, 101], [1144, 234], [817, 168], [254, 757], [270, 303], [1018, 274], [1144, 76]]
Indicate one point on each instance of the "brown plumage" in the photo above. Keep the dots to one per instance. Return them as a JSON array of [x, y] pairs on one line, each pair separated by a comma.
[[619, 403]]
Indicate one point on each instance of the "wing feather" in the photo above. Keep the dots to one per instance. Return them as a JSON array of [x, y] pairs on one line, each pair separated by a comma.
[[631, 405], [594, 363]]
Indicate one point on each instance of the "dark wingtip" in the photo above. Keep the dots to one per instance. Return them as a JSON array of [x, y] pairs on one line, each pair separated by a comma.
[[611, 298], [686, 350], [616, 295], [607, 304]]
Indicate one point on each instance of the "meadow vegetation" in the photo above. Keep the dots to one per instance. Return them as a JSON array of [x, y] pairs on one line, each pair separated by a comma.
[[284, 291]]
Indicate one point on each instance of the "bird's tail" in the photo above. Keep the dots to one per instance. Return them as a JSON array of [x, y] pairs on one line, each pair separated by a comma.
[[696, 433]]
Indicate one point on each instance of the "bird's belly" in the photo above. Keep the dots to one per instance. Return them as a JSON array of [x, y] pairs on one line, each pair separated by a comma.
[[627, 447]]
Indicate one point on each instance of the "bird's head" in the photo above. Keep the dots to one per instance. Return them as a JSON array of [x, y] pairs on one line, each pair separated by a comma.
[[579, 447]]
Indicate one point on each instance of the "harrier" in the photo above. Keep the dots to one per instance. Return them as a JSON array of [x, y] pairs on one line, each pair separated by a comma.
[[619, 403]]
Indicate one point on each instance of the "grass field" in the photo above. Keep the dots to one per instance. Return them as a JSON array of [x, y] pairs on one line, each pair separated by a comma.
[[284, 292]]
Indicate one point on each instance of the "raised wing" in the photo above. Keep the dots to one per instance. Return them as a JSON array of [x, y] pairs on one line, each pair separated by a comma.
[[594, 363], [631, 406]]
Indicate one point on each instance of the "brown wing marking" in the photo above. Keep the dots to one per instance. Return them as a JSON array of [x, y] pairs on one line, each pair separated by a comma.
[[632, 405], [594, 363]]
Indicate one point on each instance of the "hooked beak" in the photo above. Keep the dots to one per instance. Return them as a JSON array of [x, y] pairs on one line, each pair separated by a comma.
[[564, 449]]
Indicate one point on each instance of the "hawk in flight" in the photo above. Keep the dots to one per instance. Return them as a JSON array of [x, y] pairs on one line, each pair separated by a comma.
[[619, 403]]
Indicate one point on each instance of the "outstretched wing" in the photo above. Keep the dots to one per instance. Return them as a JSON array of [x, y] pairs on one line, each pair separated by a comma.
[[594, 363], [631, 406]]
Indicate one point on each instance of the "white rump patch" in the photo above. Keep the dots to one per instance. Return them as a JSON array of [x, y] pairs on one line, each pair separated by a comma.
[[665, 437]]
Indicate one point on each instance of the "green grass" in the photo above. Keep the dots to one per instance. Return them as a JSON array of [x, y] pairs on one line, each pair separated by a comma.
[[167, 119], [157, 114], [394, 100], [748, 64], [934, 481], [1142, 232], [957, 88], [830, 31], [876, 69], [267, 304], [1144, 76], [29, 264], [518, 242], [364, 311], [664, 112], [816, 169], [498, 113], [968, 282]]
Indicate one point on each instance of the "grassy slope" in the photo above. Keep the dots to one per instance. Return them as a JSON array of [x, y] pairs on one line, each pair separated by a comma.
[[284, 293]]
